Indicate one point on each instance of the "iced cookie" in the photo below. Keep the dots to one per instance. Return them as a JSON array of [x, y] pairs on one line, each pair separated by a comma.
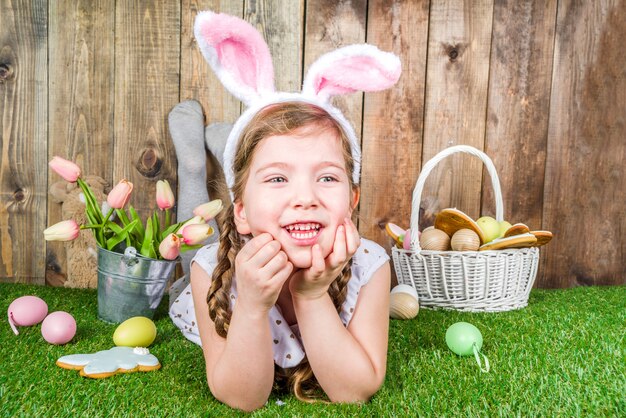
[[451, 220], [110, 362], [515, 241], [543, 237]]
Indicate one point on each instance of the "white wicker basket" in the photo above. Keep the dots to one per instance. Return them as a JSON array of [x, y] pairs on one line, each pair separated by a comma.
[[480, 281]]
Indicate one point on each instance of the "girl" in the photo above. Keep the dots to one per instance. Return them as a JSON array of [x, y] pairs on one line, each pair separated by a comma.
[[291, 294]]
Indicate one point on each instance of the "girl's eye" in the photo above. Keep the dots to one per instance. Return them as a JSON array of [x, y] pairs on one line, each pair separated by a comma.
[[277, 180], [327, 179]]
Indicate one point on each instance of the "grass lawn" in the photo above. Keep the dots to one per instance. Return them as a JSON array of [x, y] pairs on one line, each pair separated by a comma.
[[563, 355]]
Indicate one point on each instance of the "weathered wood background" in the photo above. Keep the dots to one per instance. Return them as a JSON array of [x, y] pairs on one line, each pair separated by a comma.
[[538, 85]]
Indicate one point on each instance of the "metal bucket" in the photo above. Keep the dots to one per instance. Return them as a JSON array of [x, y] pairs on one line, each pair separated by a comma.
[[129, 284]]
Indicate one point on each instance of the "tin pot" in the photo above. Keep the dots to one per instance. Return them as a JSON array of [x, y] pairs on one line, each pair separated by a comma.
[[130, 284]]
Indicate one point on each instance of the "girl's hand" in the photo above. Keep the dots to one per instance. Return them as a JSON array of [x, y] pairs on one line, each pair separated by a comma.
[[262, 268], [313, 282]]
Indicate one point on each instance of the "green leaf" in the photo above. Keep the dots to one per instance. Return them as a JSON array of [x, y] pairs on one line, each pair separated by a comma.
[[91, 204], [185, 247], [146, 245], [119, 237], [139, 229], [172, 229], [156, 226], [121, 214], [114, 227]]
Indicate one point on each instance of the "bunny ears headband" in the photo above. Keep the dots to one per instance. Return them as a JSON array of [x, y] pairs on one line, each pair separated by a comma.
[[241, 60]]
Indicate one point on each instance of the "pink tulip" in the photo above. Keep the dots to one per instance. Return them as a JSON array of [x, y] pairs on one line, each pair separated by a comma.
[[64, 168], [170, 247], [62, 231], [208, 210], [196, 234], [193, 221], [120, 195], [164, 195]]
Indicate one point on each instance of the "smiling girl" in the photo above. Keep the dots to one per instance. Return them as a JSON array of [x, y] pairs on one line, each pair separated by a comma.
[[291, 296]]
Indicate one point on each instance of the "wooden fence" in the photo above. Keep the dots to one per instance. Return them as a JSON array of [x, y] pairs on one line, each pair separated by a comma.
[[540, 86]]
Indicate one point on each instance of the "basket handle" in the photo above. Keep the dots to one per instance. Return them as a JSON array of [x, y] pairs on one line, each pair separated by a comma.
[[428, 167]]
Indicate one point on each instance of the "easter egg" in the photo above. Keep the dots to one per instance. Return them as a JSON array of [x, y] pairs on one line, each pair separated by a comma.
[[403, 302], [434, 240], [26, 311], [504, 226], [406, 243], [489, 226], [58, 328], [137, 331], [465, 240], [461, 337]]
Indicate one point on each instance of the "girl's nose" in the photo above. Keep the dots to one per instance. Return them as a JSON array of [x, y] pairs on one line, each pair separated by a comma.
[[304, 196]]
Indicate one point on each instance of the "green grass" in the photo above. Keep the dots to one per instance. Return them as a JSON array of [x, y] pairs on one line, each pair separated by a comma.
[[563, 355]]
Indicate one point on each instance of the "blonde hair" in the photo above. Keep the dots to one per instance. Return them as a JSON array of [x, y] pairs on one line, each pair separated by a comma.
[[278, 119]]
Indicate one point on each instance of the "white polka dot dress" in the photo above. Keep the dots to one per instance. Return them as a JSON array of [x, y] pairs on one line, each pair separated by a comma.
[[288, 349]]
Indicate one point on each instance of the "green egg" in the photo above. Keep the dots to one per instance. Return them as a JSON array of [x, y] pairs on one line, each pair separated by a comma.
[[138, 331], [461, 338]]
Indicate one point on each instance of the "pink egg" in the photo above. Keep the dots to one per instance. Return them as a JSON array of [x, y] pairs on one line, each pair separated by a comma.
[[406, 244], [58, 328], [26, 311]]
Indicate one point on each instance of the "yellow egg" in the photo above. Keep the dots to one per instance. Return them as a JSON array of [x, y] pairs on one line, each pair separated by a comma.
[[138, 331], [434, 240]]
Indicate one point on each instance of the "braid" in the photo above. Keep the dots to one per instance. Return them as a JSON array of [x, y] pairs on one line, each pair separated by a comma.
[[300, 379], [218, 296]]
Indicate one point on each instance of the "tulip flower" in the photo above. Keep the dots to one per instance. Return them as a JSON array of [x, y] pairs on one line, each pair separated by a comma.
[[192, 221], [170, 247], [164, 195], [208, 210], [196, 234], [64, 168], [62, 231], [119, 196]]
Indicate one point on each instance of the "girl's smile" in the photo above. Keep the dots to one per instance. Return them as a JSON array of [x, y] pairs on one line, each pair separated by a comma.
[[304, 233]]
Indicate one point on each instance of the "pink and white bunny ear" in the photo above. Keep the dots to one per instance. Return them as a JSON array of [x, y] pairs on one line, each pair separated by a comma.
[[237, 53], [349, 69]]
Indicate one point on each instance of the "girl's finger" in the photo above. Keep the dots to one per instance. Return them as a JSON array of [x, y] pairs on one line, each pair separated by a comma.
[[265, 254], [353, 239], [274, 265], [318, 265], [283, 274], [253, 246], [338, 256]]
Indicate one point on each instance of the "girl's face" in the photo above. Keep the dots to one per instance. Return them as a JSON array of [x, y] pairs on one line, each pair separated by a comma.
[[298, 191]]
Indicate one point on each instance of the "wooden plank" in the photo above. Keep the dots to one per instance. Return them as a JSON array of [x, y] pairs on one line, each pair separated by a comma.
[[330, 25], [81, 102], [459, 43], [393, 119], [199, 82], [281, 22], [23, 140], [518, 109], [146, 88], [585, 187]]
